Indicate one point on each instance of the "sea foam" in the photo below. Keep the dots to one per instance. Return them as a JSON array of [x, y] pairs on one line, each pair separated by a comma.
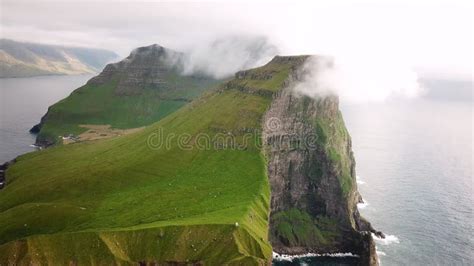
[[362, 205], [285, 257], [359, 180], [389, 239], [379, 252]]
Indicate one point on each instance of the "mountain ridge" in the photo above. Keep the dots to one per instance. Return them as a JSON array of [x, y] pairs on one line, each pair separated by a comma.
[[134, 92], [146, 203], [24, 59]]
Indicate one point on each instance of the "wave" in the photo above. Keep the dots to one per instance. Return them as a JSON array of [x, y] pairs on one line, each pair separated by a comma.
[[359, 180], [362, 204], [379, 252], [281, 257], [389, 239]]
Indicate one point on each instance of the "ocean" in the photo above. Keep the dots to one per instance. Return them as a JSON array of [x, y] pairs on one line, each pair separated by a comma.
[[414, 162], [23, 101], [414, 166]]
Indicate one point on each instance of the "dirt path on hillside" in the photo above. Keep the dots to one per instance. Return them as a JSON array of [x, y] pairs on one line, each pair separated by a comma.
[[96, 132]]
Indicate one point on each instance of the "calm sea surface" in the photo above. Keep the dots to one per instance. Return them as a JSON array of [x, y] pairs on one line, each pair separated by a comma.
[[414, 162], [23, 101]]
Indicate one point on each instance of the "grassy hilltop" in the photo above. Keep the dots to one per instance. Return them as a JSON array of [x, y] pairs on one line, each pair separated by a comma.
[[122, 201]]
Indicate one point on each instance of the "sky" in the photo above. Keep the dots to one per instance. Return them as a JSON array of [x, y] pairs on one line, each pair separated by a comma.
[[434, 38]]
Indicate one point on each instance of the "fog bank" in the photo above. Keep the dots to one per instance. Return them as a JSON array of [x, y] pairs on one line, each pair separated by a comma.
[[358, 78]]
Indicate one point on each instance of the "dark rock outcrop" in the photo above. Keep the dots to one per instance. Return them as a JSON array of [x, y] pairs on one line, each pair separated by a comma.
[[36, 129], [3, 170], [311, 170]]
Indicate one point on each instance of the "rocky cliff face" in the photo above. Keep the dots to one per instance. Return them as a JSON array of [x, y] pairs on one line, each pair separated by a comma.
[[145, 67], [311, 170]]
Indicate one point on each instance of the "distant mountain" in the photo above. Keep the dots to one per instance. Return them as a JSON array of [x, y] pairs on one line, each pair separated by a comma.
[[18, 59], [137, 91]]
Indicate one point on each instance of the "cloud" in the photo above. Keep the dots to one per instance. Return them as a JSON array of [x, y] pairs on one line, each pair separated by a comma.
[[358, 78], [224, 56], [435, 35]]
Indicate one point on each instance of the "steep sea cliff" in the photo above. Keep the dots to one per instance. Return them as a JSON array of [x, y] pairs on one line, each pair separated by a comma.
[[311, 169]]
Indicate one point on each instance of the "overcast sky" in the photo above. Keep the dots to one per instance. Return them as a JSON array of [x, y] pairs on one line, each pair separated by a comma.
[[434, 37]]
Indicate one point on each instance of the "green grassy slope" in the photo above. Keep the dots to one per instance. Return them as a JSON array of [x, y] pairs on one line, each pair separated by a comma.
[[124, 200], [138, 91], [97, 104]]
